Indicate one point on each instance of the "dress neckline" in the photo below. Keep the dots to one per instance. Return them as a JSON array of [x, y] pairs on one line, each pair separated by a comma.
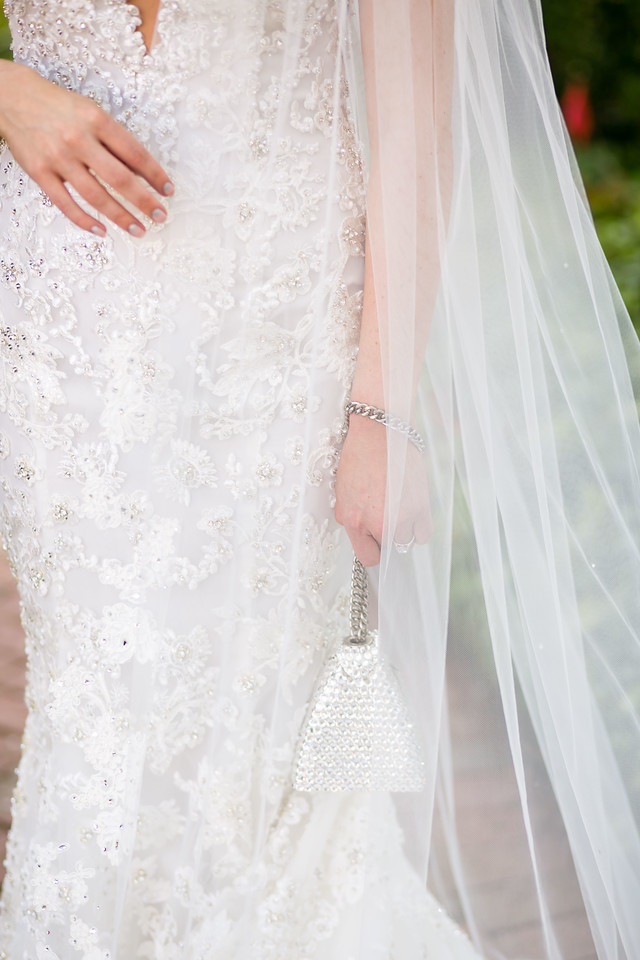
[[147, 51]]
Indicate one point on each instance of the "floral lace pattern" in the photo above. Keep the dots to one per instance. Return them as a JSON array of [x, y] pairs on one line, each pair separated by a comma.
[[171, 419]]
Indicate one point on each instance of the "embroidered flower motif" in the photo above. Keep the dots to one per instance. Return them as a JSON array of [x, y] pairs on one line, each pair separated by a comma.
[[187, 468], [297, 404], [269, 471], [25, 470], [294, 449], [159, 475], [240, 487], [216, 521]]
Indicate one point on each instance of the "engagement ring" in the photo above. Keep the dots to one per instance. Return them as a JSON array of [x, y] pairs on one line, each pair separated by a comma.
[[404, 547]]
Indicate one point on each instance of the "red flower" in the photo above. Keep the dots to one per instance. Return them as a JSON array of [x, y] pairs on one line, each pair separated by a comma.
[[577, 111]]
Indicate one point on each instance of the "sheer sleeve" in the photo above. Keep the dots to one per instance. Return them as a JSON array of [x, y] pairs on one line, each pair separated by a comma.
[[408, 71]]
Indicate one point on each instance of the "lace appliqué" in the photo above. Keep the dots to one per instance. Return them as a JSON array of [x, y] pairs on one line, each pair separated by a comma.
[[171, 413]]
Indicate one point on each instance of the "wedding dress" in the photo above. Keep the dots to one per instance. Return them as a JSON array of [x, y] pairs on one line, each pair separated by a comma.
[[172, 415], [172, 420]]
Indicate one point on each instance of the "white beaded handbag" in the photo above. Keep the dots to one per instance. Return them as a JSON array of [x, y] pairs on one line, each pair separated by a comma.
[[357, 734]]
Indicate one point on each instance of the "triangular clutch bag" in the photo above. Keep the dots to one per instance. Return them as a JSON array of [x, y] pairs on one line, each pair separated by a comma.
[[357, 733]]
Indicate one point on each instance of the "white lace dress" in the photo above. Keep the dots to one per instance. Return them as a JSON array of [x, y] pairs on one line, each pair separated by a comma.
[[171, 415]]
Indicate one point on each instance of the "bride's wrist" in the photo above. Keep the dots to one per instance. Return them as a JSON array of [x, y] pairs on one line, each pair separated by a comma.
[[10, 80], [359, 410]]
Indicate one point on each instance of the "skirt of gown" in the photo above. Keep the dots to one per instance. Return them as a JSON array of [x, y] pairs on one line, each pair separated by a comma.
[[171, 422]]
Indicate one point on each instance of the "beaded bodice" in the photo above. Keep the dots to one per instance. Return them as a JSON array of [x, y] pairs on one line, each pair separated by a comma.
[[95, 47], [83, 42]]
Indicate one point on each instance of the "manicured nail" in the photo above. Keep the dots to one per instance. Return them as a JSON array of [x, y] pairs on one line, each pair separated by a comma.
[[159, 215], [168, 188], [135, 230], [99, 231]]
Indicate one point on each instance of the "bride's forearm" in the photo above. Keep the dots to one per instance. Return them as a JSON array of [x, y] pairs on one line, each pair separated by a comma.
[[368, 384], [407, 54]]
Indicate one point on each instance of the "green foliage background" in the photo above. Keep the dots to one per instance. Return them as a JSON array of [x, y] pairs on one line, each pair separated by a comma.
[[5, 36], [598, 41]]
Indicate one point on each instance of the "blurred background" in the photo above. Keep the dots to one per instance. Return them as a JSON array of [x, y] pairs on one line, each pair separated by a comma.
[[594, 49]]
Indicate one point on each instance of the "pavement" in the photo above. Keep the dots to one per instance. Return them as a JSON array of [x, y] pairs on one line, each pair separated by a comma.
[[12, 709]]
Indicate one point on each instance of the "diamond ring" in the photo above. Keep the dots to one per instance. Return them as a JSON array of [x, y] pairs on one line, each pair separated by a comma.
[[404, 547]]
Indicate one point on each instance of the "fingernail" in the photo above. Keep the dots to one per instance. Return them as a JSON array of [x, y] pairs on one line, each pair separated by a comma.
[[168, 188], [99, 231], [135, 230], [159, 215]]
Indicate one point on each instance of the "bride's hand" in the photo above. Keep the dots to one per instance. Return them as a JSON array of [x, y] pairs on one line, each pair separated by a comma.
[[360, 492], [59, 137]]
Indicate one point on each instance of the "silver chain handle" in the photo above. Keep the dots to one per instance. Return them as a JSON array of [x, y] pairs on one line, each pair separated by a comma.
[[359, 605]]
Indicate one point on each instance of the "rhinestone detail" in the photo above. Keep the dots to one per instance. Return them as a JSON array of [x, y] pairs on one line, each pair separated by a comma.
[[358, 734]]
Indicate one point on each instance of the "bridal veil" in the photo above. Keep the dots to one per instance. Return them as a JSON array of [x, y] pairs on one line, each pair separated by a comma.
[[492, 286]]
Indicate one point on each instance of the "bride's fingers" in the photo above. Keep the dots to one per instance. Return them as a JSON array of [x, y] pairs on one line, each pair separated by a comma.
[[423, 527], [57, 192], [404, 534], [365, 547], [91, 190], [115, 174], [415, 525], [130, 151]]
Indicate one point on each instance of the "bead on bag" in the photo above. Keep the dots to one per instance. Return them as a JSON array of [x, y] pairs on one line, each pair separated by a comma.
[[357, 733]]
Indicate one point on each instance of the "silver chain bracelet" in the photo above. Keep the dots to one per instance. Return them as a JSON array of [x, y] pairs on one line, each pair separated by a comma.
[[393, 423]]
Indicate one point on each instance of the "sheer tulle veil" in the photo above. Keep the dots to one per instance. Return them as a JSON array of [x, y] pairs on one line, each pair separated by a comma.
[[492, 285], [514, 631]]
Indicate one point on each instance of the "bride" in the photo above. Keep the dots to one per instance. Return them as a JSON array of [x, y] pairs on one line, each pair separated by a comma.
[[190, 295]]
